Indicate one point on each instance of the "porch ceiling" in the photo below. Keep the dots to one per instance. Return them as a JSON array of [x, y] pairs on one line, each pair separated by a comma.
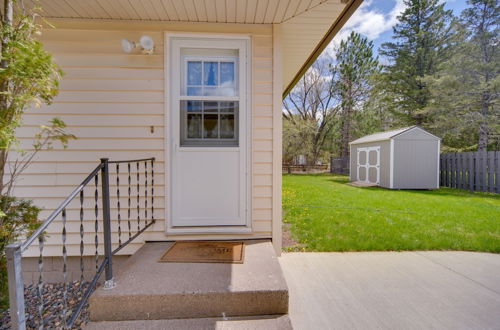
[[212, 11], [306, 25]]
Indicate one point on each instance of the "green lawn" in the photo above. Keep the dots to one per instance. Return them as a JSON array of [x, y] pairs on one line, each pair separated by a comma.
[[324, 213]]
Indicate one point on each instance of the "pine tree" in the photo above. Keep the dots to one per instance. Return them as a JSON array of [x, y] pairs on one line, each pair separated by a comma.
[[422, 38], [355, 65], [465, 90]]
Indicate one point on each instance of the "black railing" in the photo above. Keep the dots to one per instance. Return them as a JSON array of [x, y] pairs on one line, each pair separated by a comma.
[[69, 313]]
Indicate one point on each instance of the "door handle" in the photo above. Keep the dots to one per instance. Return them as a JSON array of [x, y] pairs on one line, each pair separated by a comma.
[[174, 145]]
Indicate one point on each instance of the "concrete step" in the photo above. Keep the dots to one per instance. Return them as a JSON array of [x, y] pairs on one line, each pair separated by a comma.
[[151, 290], [270, 322]]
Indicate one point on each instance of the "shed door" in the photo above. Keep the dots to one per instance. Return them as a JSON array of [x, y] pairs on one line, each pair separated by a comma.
[[368, 169], [208, 132]]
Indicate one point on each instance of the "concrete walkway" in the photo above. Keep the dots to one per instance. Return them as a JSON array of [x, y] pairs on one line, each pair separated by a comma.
[[393, 290]]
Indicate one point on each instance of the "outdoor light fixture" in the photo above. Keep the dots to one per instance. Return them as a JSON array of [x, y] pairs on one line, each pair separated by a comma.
[[146, 44]]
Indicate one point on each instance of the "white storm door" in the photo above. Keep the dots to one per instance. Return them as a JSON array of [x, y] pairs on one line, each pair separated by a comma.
[[208, 131]]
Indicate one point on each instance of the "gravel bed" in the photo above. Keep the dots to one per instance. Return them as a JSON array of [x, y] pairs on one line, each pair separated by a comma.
[[53, 306]]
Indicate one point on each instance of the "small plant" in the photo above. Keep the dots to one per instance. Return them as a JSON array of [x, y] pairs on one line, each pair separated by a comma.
[[16, 217]]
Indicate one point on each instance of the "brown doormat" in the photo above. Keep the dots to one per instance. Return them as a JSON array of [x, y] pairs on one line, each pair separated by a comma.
[[208, 251]]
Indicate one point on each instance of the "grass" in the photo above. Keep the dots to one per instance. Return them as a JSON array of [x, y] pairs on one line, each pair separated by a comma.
[[324, 213]]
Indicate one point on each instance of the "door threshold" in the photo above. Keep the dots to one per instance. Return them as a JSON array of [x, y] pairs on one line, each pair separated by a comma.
[[208, 230]]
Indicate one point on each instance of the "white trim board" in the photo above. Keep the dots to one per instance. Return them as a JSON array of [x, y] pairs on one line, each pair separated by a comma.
[[277, 226], [438, 162], [391, 165], [203, 40]]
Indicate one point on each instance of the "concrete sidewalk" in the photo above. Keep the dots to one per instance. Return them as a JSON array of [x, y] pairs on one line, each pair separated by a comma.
[[393, 290]]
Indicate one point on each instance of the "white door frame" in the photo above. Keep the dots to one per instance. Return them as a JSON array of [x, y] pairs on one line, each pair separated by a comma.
[[367, 165], [171, 130]]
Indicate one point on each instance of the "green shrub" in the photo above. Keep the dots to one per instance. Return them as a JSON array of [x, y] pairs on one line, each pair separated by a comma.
[[17, 218]]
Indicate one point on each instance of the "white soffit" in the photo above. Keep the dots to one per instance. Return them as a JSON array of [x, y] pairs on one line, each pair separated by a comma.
[[212, 11], [301, 34]]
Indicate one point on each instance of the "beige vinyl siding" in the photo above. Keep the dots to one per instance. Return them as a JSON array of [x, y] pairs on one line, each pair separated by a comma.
[[114, 103]]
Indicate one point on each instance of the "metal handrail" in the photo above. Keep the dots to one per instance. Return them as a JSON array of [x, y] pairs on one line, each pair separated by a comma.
[[131, 161], [57, 211], [14, 251], [115, 251]]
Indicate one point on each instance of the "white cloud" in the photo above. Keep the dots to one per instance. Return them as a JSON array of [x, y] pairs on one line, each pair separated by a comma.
[[370, 22]]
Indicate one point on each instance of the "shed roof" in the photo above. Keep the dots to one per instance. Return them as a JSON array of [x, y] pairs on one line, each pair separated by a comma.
[[383, 136]]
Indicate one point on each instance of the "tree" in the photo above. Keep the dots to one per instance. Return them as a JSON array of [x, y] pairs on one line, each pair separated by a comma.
[[298, 135], [422, 36], [310, 105], [28, 76], [355, 64], [467, 86]]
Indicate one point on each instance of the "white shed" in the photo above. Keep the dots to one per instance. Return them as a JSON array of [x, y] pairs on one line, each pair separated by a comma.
[[406, 158]]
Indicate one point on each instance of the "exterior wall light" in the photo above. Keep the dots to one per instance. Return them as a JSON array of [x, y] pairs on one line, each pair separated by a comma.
[[146, 44]]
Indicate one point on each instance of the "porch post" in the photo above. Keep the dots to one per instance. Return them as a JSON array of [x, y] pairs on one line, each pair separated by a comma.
[[277, 145], [106, 217]]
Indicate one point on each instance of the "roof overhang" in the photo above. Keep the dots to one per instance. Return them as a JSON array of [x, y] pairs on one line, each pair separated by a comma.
[[306, 26], [315, 41]]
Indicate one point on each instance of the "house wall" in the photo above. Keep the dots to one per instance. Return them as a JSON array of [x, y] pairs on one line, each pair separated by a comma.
[[385, 147], [416, 160], [114, 103], [52, 268]]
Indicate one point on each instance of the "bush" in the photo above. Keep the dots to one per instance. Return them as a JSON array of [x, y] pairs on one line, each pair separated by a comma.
[[17, 218]]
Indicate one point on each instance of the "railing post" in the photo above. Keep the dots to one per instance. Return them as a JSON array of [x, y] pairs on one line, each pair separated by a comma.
[[106, 216], [16, 286]]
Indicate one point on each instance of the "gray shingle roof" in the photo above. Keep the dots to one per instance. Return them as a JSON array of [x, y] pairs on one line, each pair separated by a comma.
[[381, 136]]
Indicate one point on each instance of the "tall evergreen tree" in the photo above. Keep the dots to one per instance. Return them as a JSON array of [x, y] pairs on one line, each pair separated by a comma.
[[354, 66], [421, 40], [466, 88]]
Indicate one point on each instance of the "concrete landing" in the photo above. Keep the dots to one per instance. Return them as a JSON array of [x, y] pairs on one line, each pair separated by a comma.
[[393, 290], [281, 322], [151, 290]]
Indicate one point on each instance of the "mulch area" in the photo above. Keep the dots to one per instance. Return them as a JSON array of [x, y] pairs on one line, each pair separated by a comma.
[[289, 243], [53, 306]]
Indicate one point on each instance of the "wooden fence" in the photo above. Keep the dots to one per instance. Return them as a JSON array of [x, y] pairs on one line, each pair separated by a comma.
[[289, 168], [339, 165], [475, 171]]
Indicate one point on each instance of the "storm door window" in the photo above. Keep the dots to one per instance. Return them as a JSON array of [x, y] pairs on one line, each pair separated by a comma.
[[210, 78], [209, 100], [209, 121]]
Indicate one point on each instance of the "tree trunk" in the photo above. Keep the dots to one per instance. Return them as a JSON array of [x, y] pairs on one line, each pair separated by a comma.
[[3, 164], [346, 132], [483, 125], [6, 21], [4, 87]]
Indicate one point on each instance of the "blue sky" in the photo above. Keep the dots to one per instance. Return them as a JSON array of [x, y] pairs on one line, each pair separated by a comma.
[[375, 19]]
